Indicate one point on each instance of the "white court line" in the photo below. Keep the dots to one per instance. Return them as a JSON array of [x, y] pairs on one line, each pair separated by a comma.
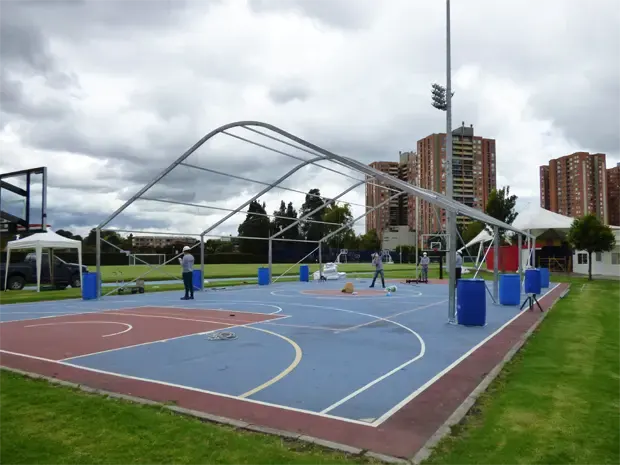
[[129, 327], [188, 388], [354, 297], [361, 325], [431, 381], [198, 302], [420, 355], [200, 333]]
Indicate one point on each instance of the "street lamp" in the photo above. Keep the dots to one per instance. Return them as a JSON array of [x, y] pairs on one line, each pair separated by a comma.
[[442, 100]]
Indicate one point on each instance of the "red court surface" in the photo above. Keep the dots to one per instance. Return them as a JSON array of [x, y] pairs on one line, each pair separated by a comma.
[[402, 433], [63, 337]]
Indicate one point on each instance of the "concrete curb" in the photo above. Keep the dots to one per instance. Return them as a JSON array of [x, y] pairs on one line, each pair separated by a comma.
[[463, 409], [237, 424]]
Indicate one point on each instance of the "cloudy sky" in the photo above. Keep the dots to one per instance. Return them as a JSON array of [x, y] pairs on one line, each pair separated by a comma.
[[106, 94]]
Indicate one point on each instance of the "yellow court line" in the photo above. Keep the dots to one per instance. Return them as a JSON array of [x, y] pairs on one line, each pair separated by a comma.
[[283, 373]]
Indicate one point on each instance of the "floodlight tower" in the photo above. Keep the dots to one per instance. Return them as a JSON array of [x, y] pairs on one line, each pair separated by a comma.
[[442, 100]]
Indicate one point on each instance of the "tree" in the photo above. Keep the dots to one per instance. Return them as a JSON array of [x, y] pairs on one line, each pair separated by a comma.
[[370, 241], [255, 226], [294, 232], [473, 229], [285, 216], [590, 234], [501, 206], [340, 214], [312, 231]]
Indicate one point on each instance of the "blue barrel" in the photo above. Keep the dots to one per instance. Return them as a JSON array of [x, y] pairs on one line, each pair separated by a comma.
[[304, 273], [197, 280], [544, 277], [263, 276], [531, 282], [89, 286], [471, 305], [509, 289]]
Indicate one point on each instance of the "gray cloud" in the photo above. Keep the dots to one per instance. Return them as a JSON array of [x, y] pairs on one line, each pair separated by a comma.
[[286, 92], [345, 14], [134, 84]]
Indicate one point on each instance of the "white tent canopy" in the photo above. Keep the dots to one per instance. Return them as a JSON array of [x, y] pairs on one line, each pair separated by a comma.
[[537, 220], [38, 242], [483, 236]]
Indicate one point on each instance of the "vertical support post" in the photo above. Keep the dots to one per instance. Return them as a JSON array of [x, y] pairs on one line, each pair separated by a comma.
[[450, 215], [27, 212], [44, 200], [534, 253], [320, 257], [98, 261], [520, 246], [270, 259], [417, 225], [202, 261], [495, 263]]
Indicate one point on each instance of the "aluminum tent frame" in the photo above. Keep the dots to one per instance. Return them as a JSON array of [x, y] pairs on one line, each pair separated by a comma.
[[374, 177]]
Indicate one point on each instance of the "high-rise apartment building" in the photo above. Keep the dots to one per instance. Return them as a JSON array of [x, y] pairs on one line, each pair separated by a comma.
[[575, 185], [474, 177], [397, 211], [473, 172], [545, 201], [613, 194]]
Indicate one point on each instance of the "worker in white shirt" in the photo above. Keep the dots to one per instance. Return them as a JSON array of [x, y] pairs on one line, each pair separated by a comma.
[[424, 262], [457, 266], [187, 264]]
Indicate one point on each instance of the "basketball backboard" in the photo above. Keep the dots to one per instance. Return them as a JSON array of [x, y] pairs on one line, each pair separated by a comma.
[[23, 201], [438, 242]]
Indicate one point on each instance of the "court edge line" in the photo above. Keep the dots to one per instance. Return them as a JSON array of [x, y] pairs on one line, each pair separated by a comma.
[[199, 333], [188, 388], [439, 375], [247, 324], [385, 375]]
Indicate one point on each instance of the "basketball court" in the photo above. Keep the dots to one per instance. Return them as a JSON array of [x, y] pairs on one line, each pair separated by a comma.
[[371, 371]]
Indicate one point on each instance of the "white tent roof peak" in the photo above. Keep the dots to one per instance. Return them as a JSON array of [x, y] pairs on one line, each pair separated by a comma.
[[47, 240], [538, 219]]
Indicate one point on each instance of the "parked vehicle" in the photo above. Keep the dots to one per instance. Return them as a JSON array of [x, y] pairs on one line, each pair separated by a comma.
[[25, 273]]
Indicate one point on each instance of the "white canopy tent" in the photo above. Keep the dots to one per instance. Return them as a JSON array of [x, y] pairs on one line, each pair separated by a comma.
[[38, 242], [482, 238], [536, 220]]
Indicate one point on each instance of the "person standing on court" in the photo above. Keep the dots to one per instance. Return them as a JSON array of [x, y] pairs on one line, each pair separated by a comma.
[[378, 263], [457, 266], [187, 264], [425, 261]]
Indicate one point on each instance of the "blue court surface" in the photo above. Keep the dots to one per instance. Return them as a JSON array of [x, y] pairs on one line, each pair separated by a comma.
[[356, 357]]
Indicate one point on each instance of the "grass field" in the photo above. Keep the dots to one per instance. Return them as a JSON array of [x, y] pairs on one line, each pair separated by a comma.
[[10, 297], [230, 270], [556, 402]]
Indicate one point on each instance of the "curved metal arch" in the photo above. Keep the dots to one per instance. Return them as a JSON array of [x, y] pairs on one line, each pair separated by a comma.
[[187, 153], [432, 197]]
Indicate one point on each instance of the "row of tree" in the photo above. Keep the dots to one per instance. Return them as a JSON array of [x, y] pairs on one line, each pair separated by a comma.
[[333, 219]]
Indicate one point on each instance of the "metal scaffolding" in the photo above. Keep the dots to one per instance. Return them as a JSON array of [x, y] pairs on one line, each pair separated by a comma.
[[318, 157]]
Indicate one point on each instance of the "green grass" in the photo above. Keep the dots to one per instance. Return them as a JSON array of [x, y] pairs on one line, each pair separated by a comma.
[[14, 297], [557, 401], [229, 270], [44, 423]]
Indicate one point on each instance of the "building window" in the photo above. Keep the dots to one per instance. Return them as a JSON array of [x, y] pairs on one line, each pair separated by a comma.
[[615, 258], [582, 258], [598, 256]]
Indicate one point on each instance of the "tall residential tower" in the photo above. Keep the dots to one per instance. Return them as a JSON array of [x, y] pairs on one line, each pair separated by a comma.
[[575, 185]]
